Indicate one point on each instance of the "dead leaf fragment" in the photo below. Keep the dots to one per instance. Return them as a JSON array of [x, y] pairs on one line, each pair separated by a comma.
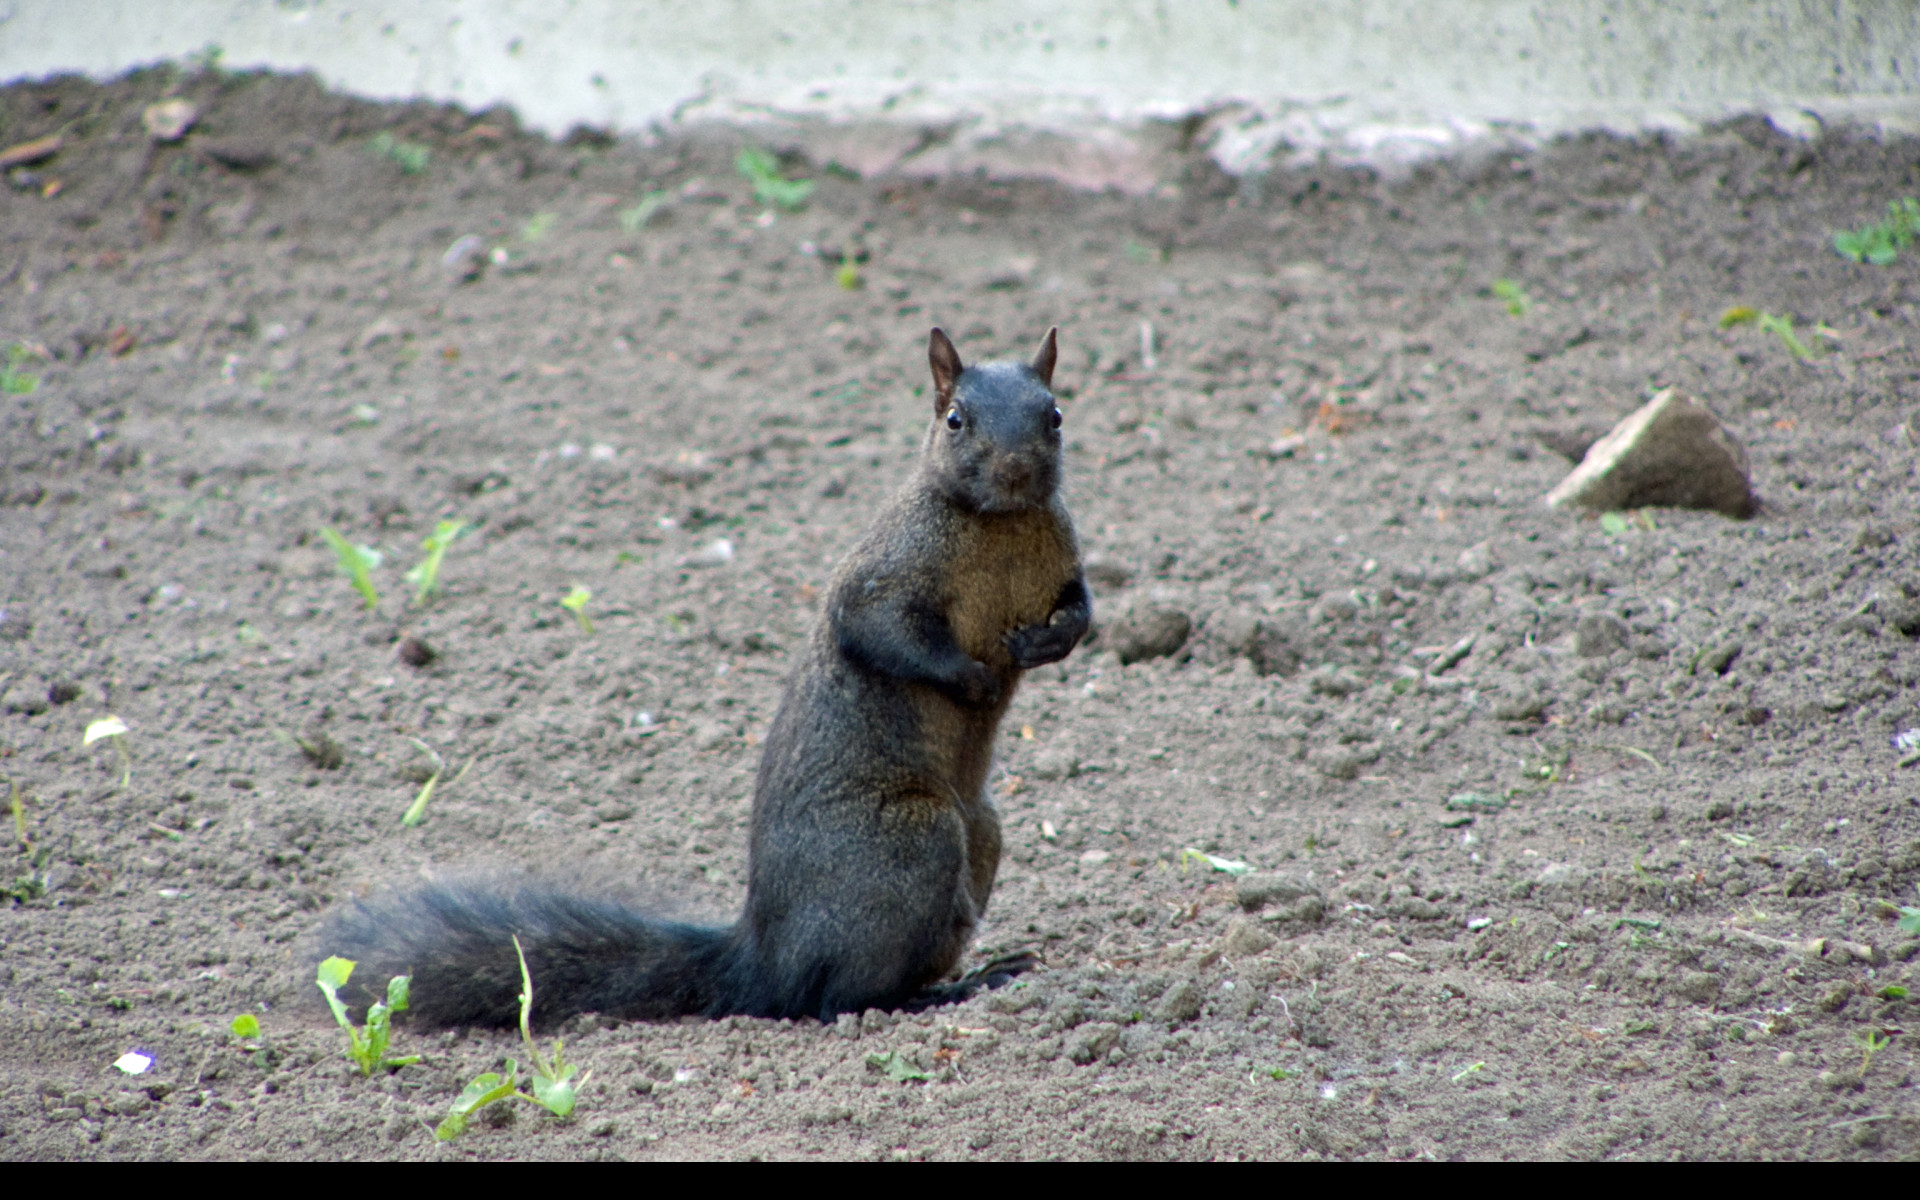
[[169, 120], [23, 153]]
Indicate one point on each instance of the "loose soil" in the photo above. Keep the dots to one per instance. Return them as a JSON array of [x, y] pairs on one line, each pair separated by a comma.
[[1620, 880]]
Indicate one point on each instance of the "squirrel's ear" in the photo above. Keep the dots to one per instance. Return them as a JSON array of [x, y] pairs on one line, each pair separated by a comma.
[[1046, 356], [946, 369]]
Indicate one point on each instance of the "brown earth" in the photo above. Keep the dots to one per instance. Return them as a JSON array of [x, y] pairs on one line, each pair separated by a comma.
[[1669, 749]]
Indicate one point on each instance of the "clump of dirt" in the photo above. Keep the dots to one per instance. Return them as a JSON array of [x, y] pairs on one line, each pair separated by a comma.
[[1566, 837]]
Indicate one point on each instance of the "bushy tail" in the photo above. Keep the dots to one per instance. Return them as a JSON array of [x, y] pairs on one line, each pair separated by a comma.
[[456, 940]]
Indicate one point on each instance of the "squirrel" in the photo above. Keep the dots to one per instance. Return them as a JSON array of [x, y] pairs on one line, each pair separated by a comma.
[[873, 843]]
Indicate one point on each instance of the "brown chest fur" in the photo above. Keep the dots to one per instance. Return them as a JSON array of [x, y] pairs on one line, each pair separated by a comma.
[[1006, 571]]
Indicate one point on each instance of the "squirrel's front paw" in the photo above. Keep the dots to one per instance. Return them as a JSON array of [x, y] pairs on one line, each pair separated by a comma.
[[1037, 645]]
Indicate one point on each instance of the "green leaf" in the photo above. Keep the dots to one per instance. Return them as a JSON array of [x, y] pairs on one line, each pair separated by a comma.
[[555, 1095], [895, 1066], [1910, 920], [246, 1025], [1893, 992], [333, 976], [1614, 523], [484, 1090], [397, 989]]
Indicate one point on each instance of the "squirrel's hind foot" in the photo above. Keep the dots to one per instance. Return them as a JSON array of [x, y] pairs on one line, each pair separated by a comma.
[[989, 975]]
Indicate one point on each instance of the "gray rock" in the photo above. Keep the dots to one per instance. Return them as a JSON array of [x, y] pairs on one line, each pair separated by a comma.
[[1562, 874], [1330, 681], [1673, 453], [1243, 633], [465, 260], [1523, 706], [1054, 763], [1090, 1043], [1182, 1002], [1148, 631], [1598, 634], [1244, 938], [1416, 909], [1342, 762], [1255, 892], [1106, 574]]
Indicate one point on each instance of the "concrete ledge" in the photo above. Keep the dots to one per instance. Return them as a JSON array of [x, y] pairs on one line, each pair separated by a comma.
[[1254, 82]]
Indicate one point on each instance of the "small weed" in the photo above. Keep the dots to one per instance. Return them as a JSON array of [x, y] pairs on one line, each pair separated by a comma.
[[1226, 865], [1616, 523], [1468, 1071], [32, 884], [1278, 1074], [206, 60], [1892, 992], [538, 226], [1872, 1042], [113, 727], [1881, 242], [1518, 303], [417, 811], [246, 1026], [575, 602], [848, 274], [425, 576], [553, 1086], [1774, 323], [634, 219], [771, 188], [366, 1045], [19, 817], [358, 562], [1910, 921], [14, 381], [410, 157], [1142, 253], [897, 1067]]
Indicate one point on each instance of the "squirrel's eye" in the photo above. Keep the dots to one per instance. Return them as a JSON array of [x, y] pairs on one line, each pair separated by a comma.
[[1056, 418], [953, 419]]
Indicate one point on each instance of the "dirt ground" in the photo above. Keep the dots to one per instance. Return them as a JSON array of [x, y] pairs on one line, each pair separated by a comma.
[[1617, 882]]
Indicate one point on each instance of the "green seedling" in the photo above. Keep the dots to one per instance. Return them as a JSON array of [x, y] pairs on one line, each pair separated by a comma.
[[575, 602], [1227, 865], [634, 219], [1779, 326], [897, 1067], [552, 1085], [1280, 1074], [1518, 303], [14, 381], [1882, 242], [112, 727], [425, 576], [417, 811], [19, 817], [358, 562], [1909, 919], [848, 274], [771, 188], [1872, 1042], [366, 1045], [1468, 1071], [246, 1026], [538, 226], [1892, 992], [1142, 253], [410, 157], [1616, 523]]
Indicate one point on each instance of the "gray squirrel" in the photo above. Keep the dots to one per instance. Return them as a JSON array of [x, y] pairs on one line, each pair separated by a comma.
[[873, 845]]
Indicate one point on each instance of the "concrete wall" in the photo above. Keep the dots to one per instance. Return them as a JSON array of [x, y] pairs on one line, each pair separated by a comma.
[[1356, 79]]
